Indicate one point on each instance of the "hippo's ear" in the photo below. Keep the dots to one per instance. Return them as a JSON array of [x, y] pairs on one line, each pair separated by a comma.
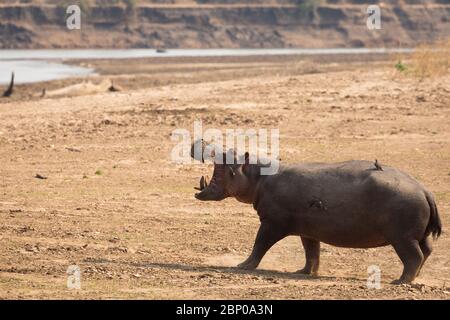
[[246, 162]]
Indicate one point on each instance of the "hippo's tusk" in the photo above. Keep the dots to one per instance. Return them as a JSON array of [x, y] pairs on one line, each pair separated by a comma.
[[10, 90], [202, 184]]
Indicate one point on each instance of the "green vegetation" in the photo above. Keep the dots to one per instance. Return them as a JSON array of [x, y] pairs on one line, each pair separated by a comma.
[[307, 7], [131, 4], [83, 4], [310, 5], [400, 66]]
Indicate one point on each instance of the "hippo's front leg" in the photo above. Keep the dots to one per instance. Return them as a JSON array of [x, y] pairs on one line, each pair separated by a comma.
[[312, 253], [268, 234]]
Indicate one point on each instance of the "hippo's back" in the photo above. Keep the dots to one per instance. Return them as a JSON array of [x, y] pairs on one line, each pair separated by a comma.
[[350, 203], [355, 173]]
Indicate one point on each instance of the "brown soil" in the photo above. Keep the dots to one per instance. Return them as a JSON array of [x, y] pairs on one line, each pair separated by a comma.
[[115, 205]]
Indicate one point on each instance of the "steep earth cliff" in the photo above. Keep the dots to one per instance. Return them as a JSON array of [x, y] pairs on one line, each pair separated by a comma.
[[221, 24]]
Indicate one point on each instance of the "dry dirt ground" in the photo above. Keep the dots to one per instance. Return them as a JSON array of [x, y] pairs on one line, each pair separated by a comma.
[[116, 205]]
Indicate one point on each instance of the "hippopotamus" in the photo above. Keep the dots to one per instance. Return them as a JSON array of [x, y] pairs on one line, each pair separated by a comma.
[[351, 204]]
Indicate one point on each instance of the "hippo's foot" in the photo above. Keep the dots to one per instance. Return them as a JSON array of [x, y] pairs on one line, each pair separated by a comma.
[[307, 271], [248, 265]]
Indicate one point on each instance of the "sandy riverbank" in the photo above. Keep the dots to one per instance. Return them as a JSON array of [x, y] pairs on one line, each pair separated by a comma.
[[115, 205]]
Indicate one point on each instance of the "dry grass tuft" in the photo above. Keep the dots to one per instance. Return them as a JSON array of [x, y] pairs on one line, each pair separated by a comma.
[[432, 60], [427, 61]]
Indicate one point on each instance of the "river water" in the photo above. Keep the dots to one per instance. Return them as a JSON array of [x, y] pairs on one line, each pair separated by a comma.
[[43, 65]]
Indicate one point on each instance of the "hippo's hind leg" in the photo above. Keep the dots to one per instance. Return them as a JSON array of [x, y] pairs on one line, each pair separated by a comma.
[[426, 245], [412, 257], [312, 253], [268, 235]]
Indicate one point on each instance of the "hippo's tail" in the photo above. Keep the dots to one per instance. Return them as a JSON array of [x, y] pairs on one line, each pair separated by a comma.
[[434, 226]]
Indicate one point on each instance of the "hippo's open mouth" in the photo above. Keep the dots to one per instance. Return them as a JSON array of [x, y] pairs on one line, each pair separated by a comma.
[[214, 190]]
